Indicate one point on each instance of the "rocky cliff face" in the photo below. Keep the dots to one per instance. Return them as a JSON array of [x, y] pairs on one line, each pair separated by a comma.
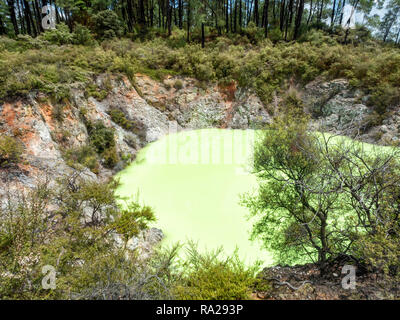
[[46, 130], [337, 108], [156, 108]]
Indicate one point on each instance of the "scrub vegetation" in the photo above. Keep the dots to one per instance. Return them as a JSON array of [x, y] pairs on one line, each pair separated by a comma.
[[70, 226], [323, 196], [10, 151], [34, 64], [101, 147]]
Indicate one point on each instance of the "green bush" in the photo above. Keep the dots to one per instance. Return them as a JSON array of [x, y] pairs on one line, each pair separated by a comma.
[[107, 24], [58, 112], [346, 192], [132, 219], [384, 97], [213, 277], [82, 35], [100, 137], [381, 251], [68, 225], [275, 35], [61, 35], [10, 150], [85, 155], [111, 158], [119, 118], [102, 140], [178, 84], [253, 33]]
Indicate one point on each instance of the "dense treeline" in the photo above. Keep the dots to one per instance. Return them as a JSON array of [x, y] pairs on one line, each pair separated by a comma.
[[283, 19]]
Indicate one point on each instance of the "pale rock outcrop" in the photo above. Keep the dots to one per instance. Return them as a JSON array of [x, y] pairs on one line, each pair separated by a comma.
[[337, 108]]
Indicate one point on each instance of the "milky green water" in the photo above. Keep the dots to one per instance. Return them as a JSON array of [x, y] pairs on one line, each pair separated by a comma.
[[193, 181]]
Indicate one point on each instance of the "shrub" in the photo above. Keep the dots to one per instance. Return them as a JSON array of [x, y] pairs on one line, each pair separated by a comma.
[[253, 33], [111, 158], [381, 251], [102, 140], [178, 84], [107, 24], [292, 102], [275, 34], [264, 67], [71, 225], [84, 155], [113, 277], [82, 35], [61, 35], [132, 219], [68, 225], [10, 150], [318, 194], [384, 97], [211, 276], [100, 137], [93, 91], [58, 112], [119, 118]]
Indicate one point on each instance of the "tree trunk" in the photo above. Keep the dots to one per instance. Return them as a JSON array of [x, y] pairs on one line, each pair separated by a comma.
[[240, 15], [341, 14], [38, 16], [288, 18], [175, 15], [320, 11], [274, 10], [11, 9], [397, 37], [309, 15], [349, 21], [30, 25], [2, 27], [235, 18], [58, 19], [266, 4], [141, 15], [324, 246], [169, 17], [282, 15], [299, 16], [227, 16], [152, 14], [188, 21], [333, 13], [21, 17], [256, 12], [180, 10], [202, 35]]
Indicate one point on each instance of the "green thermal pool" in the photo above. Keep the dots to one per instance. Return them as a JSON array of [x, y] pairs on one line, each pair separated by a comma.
[[193, 180]]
